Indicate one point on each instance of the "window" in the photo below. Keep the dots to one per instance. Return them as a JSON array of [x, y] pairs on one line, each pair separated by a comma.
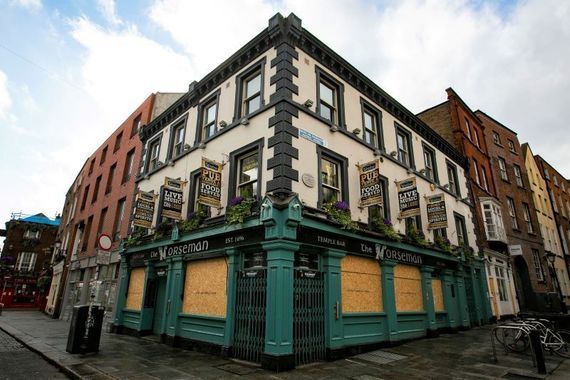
[[503, 169], [476, 137], [100, 225], [177, 140], [414, 223], [501, 284], [518, 175], [26, 261], [119, 214], [512, 213], [110, 178], [496, 138], [527, 220], [468, 130], [381, 211], [404, 144], [329, 98], [252, 93], [91, 166], [87, 233], [136, 125], [546, 175], [562, 208], [118, 142], [245, 173], [31, 234], [333, 185], [460, 229], [537, 265], [153, 152], [194, 206], [476, 171], [553, 200], [209, 113], [85, 194], [441, 232], [96, 189], [249, 93], [371, 124], [430, 164], [103, 155], [555, 179], [511, 146], [129, 161], [493, 220], [452, 178], [484, 183], [563, 186]]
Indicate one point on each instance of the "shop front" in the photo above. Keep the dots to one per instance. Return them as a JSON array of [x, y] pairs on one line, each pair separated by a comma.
[[285, 289]]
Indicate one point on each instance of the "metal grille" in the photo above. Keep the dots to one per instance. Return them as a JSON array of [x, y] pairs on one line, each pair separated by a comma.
[[308, 317], [249, 336]]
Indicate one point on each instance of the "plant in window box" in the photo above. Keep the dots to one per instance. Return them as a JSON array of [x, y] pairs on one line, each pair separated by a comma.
[[386, 228], [163, 229], [465, 252], [239, 209], [416, 237], [194, 221], [443, 243], [339, 212], [135, 238]]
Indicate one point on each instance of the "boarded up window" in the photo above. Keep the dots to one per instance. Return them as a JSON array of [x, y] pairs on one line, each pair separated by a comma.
[[437, 291], [360, 283], [136, 288], [205, 287], [408, 288]]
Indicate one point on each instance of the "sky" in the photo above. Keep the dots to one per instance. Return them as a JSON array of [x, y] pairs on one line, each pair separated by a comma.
[[72, 71]]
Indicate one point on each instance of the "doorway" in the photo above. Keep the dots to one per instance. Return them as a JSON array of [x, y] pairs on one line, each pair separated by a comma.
[[159, 306]]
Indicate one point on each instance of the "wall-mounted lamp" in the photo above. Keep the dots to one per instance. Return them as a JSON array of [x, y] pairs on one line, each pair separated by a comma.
[[308, 103], [393, 153], [377, 152], [171, 163], [423, 171], [446, 186], [187, 147], [334, 128], [244, 121], [222, 124]]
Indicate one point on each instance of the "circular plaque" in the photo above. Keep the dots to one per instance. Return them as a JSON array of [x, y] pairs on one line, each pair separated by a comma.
[[105, 242], [308, 180]]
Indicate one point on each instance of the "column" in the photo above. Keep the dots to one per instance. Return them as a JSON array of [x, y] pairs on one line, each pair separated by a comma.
[[147, 313], [389, 298], [429, 305], [121, 292], [449, 297], [462, 299], [333, 303], [233, 263], [174, 288], [278, 351]]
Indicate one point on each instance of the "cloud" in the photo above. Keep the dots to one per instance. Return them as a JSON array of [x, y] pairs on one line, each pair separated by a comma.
[[28, 4], [109, 11], [5, 99]]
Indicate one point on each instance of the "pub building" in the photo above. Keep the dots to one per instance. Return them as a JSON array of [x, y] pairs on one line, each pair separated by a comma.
[[289, 211]]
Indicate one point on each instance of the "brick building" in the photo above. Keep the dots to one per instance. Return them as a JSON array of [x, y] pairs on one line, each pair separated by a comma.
[[24, 262], [556, 186], [99, 203], [457, 123], [526, 248]]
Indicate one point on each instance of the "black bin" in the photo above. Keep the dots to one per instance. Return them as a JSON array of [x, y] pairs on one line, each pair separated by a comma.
[[78, 341]]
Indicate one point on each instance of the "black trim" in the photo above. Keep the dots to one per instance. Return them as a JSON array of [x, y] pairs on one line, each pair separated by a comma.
[[214, 98], [343, 162], [461, 218], [449, 164], [367, 106], [434, 163], [240, 78], [183, 121], [400, 129], [257, 145], [339, 89], [149, 151], [386, 197]]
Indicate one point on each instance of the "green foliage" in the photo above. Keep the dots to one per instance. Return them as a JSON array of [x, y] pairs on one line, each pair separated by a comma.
[[239, 209], [135, 238], [193, 222], [465, 252], [416, 237], [385, 227], [340, 213], [443, 243]]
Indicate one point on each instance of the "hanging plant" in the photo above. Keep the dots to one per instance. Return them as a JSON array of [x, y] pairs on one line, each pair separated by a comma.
[[239, 209], [443, 243], [465, 252], [339, 212], [416, 237], [386, 228], [194, 221], [135, 238], [162, 229]]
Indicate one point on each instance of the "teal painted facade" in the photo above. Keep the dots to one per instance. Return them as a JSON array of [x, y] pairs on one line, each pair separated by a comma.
[[280, 233]]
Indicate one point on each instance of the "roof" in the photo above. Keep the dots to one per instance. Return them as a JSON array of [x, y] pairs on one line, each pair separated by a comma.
[[498, 123], [41, 219]]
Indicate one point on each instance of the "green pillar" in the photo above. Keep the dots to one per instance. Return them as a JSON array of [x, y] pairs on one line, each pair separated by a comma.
[[147, 313], [124, 275], [482, 284], [334, 334], [233, 264], [278, 351], [462, 299], [427, 293], [449, 297], [389, 298], [174, 288]]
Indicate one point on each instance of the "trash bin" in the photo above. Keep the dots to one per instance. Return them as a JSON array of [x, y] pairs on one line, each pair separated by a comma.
[[85, 330]]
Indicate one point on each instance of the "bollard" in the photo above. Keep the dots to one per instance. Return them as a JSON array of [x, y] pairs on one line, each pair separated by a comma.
[[537, 351]]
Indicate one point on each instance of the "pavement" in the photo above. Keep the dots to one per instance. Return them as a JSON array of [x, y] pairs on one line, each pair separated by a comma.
[[465, 355]]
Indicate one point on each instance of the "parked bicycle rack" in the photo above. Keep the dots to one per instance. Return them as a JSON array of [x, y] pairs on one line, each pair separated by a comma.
[[537, 353]]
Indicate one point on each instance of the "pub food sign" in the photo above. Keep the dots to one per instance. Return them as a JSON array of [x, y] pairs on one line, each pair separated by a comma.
[[370, 184], [408, 198], [210, 188], [144, 209], [172, 198], [436, 212]]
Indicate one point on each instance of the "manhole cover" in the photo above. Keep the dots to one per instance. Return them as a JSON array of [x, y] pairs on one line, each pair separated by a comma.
[[237, 369], [380, 357]]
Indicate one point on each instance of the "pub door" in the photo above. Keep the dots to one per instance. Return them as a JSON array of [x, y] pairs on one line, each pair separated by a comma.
[[159, 306]]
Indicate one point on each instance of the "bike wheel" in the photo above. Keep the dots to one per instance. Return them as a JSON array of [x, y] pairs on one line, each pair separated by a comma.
[[563, 346], [515, 340]]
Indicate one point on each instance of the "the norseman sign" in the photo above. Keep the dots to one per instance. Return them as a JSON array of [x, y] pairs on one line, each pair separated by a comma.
[[370, 184]]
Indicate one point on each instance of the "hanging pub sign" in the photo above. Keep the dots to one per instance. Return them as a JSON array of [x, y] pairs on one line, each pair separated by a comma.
[[144, 209], [370, 184], [172, 197], [436, 212], [408, 198], [210, 189]]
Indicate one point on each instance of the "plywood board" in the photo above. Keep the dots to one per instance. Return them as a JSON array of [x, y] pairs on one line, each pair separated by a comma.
[[408, 288], [136, 289], [437, 291], [361, 287], [205, 287]]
